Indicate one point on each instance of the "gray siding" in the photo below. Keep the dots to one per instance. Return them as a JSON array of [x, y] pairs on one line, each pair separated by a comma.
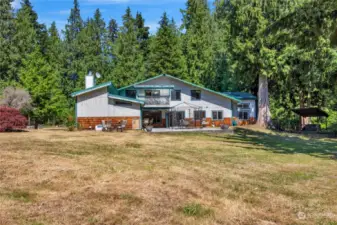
[[93, 104], [97, 104]]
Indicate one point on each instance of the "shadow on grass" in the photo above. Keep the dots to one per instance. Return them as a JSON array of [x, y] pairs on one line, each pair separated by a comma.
[[283, 144]]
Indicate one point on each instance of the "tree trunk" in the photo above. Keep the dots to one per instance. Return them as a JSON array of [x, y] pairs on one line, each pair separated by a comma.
[[264, 117]]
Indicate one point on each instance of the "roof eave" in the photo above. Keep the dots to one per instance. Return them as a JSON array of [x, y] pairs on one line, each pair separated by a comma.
[[81, 92]]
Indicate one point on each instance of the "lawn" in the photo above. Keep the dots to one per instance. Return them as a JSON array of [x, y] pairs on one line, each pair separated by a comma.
[[53, 176]]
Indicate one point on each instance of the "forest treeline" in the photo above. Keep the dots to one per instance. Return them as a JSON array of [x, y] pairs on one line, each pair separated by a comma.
[[284, 51]]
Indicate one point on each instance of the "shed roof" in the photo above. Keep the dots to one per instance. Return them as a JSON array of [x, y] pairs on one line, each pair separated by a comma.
[[127, 99], [310, 112], [242, 95]]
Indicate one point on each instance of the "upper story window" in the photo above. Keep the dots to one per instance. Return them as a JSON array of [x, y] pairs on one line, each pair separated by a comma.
[[217, 115], [243, 106], [195, 95], [176, 95], [131, 93], [152, 93], [122, 103]]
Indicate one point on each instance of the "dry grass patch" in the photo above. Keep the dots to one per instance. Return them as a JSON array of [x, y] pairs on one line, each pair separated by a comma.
[[251, 177]]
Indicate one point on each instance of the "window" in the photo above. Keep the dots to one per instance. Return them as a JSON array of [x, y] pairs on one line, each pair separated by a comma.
[[243, 105], [122, 103], [217, 115], [152, 93], [131, 93], [198, 115], [244, 111], [195, 95], [243, 115], [176, 95]]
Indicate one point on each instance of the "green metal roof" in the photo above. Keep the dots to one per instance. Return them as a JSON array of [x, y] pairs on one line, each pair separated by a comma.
[[242, 95], [127, 99], [107, 84], [186, 82], [154, 86]]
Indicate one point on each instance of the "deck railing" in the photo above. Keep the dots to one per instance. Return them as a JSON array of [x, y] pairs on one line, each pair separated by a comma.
[[154, 101]]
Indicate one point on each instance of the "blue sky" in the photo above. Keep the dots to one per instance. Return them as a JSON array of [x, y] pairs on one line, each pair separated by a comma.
[[58, 10]]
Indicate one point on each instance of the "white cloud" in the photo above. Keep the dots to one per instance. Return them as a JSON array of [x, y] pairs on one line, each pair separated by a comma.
[[16, 4]]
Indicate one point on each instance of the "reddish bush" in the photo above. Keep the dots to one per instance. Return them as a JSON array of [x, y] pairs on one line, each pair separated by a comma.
[[11, 119]]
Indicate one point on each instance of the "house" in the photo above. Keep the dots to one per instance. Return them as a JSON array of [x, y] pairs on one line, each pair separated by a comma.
[[165, 100], [246, 109]]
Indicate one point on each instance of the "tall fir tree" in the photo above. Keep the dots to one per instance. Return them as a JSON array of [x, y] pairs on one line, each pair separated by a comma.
[[75, 23], [166, 55], [198, 48], [143, 34], [113, 31], [40, 79], [29, 33], [129, 61], [73, 77], [8, 48]]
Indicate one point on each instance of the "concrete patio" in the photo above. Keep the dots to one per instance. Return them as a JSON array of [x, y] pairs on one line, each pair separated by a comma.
[[206, 129]]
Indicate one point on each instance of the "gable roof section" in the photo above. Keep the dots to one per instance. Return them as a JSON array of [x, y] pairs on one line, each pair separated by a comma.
[[186, 82], [81, 92], [126, 99], [242, 95]]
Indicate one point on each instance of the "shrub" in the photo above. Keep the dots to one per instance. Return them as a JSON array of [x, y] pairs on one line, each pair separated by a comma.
[[11, 119], [71, 123]]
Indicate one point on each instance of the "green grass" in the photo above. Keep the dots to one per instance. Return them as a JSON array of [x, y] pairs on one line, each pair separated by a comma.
[[197, 210]]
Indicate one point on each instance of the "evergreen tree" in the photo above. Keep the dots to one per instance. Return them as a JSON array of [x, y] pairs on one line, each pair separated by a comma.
[[41, 80], [29, 33], [75, 23], [198, 42], [8, 48], [143, 34], [129, 62], [112, 31], [166, 51]]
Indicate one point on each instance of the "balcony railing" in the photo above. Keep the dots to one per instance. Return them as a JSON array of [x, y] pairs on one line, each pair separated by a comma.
[[157, 101]]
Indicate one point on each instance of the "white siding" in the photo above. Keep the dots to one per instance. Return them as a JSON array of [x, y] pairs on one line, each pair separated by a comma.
[[252, 106], [209, 101], [97, 104], [132, 110], [93, 104]]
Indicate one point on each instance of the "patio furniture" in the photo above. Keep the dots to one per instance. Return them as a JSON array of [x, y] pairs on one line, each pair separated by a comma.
[[184, 123], [109, 126], [104, 126], [146, 122], [204, 123], [151, 121], [122, 125]]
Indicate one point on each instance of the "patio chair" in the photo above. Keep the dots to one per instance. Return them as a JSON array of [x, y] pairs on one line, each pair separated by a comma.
[[146, 122], [184, 123], [151, 122], [104, 125], [122, 125], [109, 126], [204, 123]]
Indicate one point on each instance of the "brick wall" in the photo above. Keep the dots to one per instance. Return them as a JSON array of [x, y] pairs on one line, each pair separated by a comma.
[[86, 122]]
